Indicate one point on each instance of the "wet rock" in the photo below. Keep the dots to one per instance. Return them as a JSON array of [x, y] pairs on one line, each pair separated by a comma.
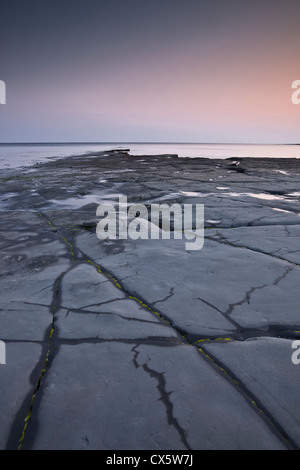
[[143, 344]]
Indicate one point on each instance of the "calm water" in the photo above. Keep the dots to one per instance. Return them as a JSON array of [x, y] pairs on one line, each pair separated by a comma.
[[17, 155]]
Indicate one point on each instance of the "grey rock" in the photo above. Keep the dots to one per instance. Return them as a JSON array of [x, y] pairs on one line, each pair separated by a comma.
[[264, 366], [123, 344]]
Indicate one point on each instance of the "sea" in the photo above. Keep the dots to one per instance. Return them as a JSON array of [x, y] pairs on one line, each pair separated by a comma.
[[25, 155]]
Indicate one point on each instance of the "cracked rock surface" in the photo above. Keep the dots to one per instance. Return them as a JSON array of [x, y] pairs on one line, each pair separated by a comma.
[[143, 344]]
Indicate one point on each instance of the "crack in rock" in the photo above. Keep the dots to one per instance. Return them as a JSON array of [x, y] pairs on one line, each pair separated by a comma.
[[164, 395], [171, 293], [223, 241]]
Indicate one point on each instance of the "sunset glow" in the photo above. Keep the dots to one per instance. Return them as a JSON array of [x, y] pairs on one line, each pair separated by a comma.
[[202, 71]]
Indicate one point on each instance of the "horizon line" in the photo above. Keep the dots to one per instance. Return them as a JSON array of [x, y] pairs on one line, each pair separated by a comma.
[[141, 142]]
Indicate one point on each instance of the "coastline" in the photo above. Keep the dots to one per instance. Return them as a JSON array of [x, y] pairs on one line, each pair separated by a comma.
[[17, 155], [100, 333]]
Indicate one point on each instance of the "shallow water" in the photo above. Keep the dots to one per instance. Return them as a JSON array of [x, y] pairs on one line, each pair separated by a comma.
[[17, 155]]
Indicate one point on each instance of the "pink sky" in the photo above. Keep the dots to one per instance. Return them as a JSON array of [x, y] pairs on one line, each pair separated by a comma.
[[205, 78]]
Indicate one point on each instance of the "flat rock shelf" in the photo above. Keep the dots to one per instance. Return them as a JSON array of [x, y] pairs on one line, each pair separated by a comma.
[[142, 344]]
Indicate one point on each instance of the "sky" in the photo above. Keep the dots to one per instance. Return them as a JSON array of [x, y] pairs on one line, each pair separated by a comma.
[[217, 71]]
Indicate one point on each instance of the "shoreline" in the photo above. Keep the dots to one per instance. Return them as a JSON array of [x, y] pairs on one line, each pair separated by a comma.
[[10, 155]]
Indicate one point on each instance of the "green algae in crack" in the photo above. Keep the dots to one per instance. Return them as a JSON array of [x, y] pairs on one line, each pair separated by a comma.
[[251, 399], [277, 429], [62, 236], [46, 363], [212, 339]]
